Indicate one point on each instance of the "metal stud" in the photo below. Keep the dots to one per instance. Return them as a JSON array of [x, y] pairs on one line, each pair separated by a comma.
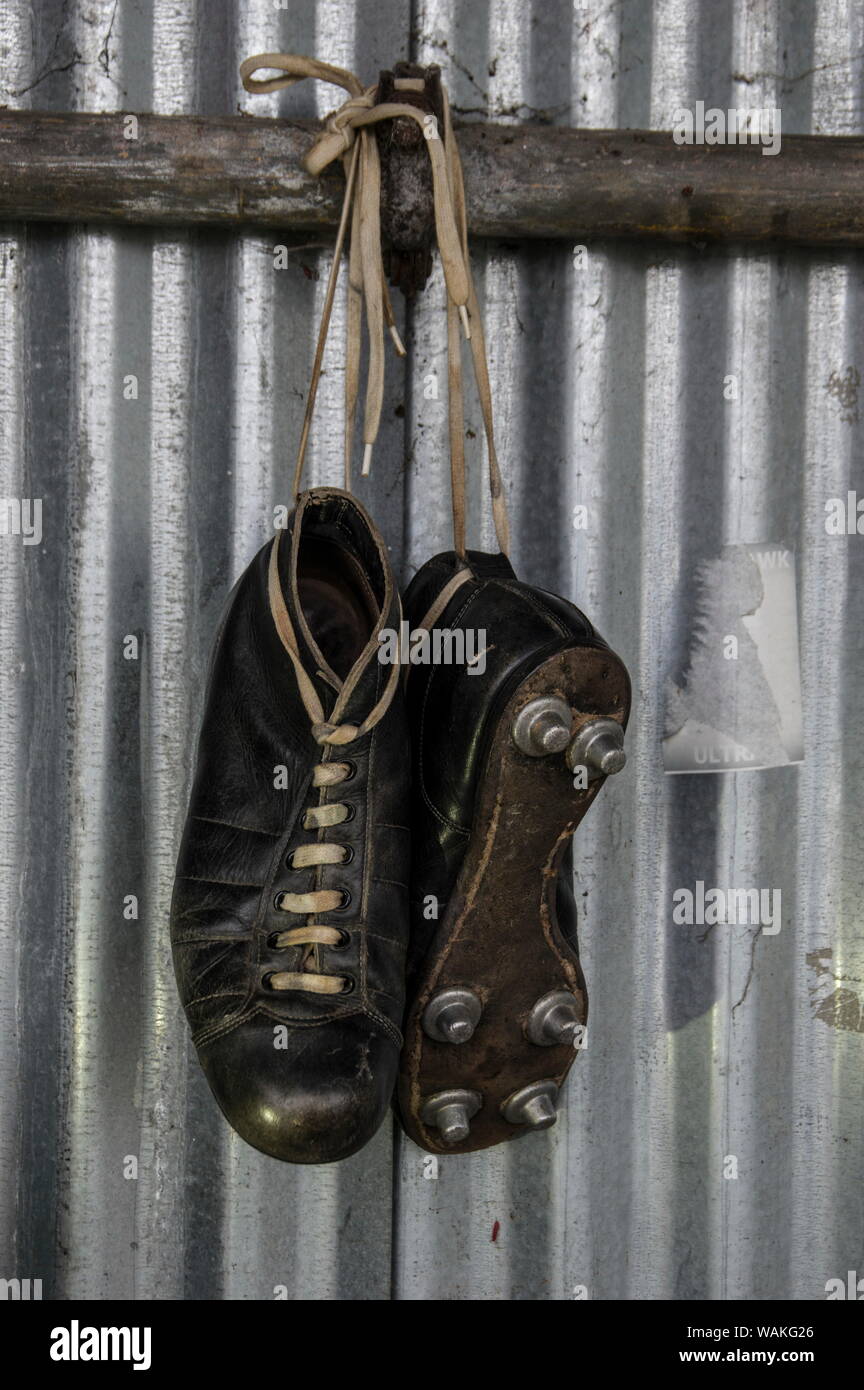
[[543, 727], [534, 1105], [554, 1019], [450, 1112], [598, 746], [452, 1015]]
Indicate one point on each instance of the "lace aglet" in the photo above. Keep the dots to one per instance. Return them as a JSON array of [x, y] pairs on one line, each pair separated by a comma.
[[397, 341], [367, 461], [463, 314]]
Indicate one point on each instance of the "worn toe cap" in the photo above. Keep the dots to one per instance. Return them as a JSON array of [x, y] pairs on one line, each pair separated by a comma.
[[317, 1099]]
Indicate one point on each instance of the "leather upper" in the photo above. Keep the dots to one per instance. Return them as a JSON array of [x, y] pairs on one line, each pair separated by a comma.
[[452, 713], [319, 1086]]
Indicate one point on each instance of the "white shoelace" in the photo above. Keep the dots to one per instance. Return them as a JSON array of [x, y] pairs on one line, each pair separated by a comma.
[[366, 278], [367, 284]]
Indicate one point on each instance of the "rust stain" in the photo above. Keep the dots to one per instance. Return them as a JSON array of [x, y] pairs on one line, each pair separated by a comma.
[[844, 390]]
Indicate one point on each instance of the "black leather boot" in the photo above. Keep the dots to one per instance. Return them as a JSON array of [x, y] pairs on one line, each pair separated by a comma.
[[509, 750], [289, 918]]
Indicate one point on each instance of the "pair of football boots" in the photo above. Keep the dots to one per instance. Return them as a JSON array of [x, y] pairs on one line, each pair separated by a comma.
[[374, 890], [374, 884]]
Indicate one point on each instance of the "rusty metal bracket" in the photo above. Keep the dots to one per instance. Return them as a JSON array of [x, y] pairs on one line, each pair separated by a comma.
[[407, 209]]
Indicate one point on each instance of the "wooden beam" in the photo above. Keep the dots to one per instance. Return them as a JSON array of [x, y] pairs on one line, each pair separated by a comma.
[[522, 181]]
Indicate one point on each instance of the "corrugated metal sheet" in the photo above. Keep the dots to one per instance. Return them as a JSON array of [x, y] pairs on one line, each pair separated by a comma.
[[609, 386]]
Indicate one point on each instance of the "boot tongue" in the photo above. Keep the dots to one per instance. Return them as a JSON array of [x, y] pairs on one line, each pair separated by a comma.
[[333, 516]]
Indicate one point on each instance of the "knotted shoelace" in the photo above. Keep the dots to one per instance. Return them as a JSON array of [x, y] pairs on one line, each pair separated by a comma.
[[348, 135]]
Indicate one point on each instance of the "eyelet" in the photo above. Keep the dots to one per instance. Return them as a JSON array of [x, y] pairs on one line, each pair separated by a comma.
[[344, 940], [289, 862], [348, 855], [277, 901], [266, 978], [351, 773], [273, 940], [346, 900], [349, 986], [352, 811]]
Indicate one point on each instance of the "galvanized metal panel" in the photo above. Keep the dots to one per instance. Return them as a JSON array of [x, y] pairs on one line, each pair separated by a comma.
[[608, 368]]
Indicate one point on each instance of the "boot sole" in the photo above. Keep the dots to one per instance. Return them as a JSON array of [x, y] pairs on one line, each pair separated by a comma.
[[500, 936]]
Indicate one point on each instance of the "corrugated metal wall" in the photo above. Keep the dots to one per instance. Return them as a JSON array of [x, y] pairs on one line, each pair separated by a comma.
[[608, 379]]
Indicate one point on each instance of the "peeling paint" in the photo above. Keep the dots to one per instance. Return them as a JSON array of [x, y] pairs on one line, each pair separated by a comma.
[[836, 999]]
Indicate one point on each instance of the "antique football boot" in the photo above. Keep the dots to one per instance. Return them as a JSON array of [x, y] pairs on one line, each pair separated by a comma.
[[510, 747], [289, 917]]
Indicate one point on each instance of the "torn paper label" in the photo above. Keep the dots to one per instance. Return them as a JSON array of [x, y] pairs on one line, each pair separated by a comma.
[[739, 705]]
